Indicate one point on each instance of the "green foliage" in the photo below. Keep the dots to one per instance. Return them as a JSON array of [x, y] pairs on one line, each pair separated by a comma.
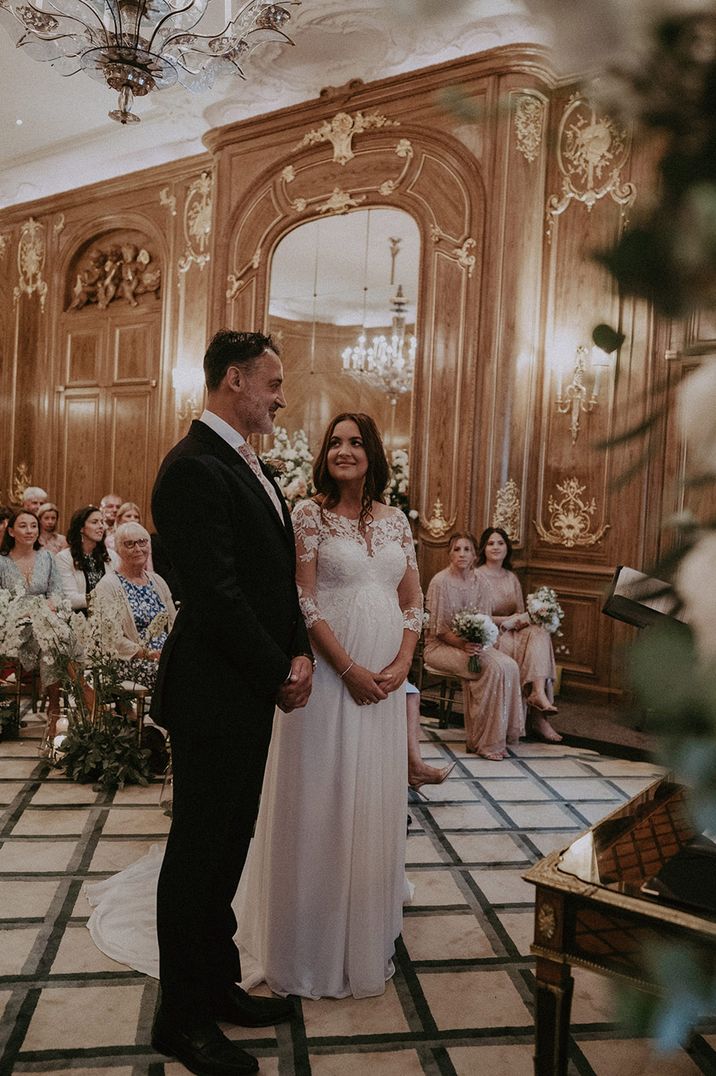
[[105, 753]]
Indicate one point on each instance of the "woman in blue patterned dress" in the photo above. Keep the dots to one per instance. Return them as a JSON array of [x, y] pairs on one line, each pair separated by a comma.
[[142, 595]]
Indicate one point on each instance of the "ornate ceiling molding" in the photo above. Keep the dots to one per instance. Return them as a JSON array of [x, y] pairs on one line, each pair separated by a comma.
[[592, 150], [31, 252]]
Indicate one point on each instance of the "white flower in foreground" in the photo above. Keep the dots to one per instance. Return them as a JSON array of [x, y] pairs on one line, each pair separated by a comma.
[[696, 584], [697, 405]]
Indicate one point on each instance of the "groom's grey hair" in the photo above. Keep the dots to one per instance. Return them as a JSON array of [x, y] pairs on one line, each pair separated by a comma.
[[229, 348]]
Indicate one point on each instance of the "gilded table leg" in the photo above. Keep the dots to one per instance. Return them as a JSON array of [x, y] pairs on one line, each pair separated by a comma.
[[553, 1002]]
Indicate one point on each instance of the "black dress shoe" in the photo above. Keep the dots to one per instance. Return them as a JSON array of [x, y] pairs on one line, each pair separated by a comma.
[[204, 1050], [238, 1007]]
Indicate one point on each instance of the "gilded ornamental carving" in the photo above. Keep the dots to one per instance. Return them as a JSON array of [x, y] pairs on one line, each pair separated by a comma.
[[571, 518], [461, 252], [546, 921], [592, 150], [341, 130], [122, 272], [31, 251], [4, 243], [197, 223], [438, 526], [529, 123], [168, 200], [507, 514], [339, 202]]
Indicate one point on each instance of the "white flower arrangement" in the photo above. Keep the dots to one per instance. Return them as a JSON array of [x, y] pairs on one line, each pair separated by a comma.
[[292, 462], [398, 484], [544, 610], [475, 628]]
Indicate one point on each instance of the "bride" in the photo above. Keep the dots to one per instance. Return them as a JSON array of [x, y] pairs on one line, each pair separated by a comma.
[[320, 901]]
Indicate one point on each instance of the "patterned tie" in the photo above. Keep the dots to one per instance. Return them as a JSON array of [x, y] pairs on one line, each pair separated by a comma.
[[247, 453]]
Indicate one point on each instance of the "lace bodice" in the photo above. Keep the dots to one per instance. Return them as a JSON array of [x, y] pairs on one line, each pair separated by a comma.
[[337, 563]]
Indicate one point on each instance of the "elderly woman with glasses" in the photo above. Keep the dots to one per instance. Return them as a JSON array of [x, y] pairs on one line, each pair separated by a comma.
[[142, 596]]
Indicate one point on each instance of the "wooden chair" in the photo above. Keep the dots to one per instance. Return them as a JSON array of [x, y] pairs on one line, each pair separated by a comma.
[[447, 685]]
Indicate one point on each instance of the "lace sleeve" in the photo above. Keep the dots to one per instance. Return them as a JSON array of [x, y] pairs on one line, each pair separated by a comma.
[[306, 521], [410, 595]]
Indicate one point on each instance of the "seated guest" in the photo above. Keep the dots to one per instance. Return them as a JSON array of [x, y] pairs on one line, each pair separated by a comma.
[[529, 644], [50, 537], [143, 595], [492, 700], [129, 513], [26, 567], [419, 772], [87, 559], [33, 497], [5, 514], [109, 506]]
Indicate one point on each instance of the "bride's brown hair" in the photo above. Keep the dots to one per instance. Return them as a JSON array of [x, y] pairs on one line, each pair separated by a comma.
[[376, 478]]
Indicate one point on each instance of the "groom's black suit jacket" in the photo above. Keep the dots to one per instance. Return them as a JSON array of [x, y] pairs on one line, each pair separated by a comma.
[[228, 654], [239, 622]]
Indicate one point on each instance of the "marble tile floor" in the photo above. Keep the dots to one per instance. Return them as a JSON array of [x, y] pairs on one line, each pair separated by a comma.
[[460, 1003]]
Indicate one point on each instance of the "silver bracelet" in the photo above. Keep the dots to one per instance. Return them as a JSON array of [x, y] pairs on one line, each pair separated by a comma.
[[347, 670]]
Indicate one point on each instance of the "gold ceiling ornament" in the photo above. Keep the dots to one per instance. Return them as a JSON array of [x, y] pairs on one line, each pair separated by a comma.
[[197, 223], [136, 46], [529, 124], [461, 252], [592, 150], [31, 251], [508, 512], [438, 526], [340, 131], [4, 243], [168, 201], [570, 522]]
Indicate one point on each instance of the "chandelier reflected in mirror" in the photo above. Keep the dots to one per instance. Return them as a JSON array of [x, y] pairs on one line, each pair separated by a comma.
[[387, 363], [137, 46]]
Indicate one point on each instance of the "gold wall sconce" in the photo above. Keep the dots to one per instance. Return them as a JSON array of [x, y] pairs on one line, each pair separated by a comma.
[[577, 397], [188, 385]]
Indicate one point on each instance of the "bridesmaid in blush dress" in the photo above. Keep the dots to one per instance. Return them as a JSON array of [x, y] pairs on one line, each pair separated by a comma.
[[492, 701], [529, 644]]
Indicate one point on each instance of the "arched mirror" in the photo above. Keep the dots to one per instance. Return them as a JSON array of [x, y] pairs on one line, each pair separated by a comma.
[[342, 304]]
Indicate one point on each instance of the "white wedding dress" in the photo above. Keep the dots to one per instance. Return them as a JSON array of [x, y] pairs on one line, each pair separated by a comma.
[[320, 901]]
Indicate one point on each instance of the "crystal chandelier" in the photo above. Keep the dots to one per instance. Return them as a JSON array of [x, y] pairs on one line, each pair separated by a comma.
[[386, 363], [136, 46]]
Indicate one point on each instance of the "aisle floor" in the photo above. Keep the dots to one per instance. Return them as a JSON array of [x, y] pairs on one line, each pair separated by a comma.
[[460, 1003]]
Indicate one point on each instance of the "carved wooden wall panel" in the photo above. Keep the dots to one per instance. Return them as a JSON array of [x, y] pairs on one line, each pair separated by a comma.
[[131, 450], [80, 456]]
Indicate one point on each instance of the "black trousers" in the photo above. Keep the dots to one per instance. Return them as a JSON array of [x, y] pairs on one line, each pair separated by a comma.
[[217, 784]]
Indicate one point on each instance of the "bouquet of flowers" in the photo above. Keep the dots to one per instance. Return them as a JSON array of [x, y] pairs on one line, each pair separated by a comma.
[[544, 610], [291, 461], [476, 628]]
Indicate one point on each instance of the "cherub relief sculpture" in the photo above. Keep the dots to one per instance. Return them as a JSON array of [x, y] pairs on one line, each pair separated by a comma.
[[123, 272]]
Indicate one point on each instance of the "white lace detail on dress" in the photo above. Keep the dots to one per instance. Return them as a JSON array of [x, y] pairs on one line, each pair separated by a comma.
[[381, 552]]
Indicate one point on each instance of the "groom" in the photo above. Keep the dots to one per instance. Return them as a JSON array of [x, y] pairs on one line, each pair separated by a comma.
[[238, 647]]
